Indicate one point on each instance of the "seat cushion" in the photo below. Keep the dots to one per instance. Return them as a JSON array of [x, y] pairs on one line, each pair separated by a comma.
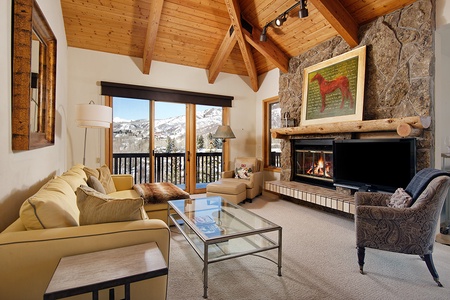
[[226, 187], [248, 183]]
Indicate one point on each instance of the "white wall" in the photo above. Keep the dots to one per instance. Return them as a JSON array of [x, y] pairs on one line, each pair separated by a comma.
[[88, 68], [269, 88], [23, 172], [442, 86]]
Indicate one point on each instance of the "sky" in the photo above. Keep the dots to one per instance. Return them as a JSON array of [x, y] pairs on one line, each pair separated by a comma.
[[137, 109]]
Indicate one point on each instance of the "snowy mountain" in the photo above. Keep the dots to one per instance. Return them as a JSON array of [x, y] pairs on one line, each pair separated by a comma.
[[133, 136]]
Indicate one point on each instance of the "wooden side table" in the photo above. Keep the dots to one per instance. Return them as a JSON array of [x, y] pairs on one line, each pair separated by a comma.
[[91, 272]]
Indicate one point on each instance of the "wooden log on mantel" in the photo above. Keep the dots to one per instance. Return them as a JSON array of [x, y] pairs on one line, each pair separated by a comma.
[[354, 126], [406, 130]]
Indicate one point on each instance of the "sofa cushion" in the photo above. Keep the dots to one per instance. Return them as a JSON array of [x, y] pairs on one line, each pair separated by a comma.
[[74, 179], [53, 206], [98, 208], [103, 174], [94, 183]]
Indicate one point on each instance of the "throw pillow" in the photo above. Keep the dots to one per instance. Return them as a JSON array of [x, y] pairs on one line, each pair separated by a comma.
[[243, 171], [103, 174], [94, 183], [97, 208], [400, 199]]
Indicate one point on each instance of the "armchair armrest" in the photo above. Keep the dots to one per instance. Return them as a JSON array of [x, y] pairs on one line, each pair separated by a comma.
[[386, 213], [228, 174], [123, 182], [372, 199]]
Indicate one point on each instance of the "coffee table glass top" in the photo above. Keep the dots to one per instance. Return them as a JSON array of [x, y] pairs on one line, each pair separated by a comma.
[[225, 228]]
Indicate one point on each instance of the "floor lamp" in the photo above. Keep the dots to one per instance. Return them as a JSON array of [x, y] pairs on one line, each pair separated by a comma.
[[224, 132], [92, 116]]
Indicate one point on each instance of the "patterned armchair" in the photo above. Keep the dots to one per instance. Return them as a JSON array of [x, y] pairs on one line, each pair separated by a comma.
[[409, 230]]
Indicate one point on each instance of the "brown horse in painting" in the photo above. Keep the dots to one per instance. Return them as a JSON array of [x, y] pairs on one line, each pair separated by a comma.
[[327, 87]]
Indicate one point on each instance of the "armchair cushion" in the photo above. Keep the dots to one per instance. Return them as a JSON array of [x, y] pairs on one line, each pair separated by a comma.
[[243, 170], [400, 199]]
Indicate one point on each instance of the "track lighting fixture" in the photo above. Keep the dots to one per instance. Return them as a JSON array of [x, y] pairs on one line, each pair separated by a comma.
[[278, 21], [263, 36], [303, 12]]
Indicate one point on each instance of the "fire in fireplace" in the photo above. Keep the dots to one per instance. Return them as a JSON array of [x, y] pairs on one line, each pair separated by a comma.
[[313, 161]]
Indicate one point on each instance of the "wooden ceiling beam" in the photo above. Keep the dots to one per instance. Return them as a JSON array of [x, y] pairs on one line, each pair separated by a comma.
[[268, 49], [341, 20], [222, 55], [152, 31], [235, 15]]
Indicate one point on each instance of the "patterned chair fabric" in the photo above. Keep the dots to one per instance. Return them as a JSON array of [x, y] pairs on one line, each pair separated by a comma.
[[409, 230]]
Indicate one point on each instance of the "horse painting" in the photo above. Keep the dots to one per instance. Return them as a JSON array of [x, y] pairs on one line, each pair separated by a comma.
[[327, 87]]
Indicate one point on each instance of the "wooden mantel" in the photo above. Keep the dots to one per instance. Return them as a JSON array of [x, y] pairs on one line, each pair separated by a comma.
[[407, 126]]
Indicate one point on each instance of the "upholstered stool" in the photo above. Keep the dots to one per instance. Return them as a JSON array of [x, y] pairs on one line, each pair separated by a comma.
[[234, 192]]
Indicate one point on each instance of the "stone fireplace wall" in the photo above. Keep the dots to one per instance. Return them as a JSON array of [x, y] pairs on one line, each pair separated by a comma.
[[399, 74]]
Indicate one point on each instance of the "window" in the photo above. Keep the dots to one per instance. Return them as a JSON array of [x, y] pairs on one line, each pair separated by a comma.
[[271, 146]]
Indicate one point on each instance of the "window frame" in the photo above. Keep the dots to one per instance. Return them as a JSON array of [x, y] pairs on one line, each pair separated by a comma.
[[266, 135]]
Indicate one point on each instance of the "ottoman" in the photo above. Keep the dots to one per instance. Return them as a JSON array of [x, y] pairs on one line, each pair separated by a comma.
[[234, 192]]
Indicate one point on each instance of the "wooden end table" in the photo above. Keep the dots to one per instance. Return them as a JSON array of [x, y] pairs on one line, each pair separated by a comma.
[[91, 272]]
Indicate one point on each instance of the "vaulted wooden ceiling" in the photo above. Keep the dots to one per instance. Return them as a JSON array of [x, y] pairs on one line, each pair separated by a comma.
[[216, 35]]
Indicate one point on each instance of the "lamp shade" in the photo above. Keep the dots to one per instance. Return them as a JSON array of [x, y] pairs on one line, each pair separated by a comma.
[[93, 116], [224, 132]]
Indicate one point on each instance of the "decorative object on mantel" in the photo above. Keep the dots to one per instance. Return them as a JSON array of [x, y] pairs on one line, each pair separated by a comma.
[[333, 90], [413, 125], [287, 121], [92, 116]]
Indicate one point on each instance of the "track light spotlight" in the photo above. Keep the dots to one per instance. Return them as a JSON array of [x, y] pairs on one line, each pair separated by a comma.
[[303, 12], [280, 20], [263, 36]]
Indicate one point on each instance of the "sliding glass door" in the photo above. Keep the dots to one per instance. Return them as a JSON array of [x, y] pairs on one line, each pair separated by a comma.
[[167, 142]]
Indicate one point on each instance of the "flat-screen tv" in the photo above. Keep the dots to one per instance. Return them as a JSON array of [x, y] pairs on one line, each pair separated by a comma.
[[374, 164]]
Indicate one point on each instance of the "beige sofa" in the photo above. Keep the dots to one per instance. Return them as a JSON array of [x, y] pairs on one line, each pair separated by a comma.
[[32, 246]]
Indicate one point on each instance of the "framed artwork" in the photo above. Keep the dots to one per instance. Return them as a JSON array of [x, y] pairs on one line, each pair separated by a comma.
[[333, 90]]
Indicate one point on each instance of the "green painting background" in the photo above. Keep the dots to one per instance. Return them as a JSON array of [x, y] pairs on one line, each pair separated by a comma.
[[347, 68]]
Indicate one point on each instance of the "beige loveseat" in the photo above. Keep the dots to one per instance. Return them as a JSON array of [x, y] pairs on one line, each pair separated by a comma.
[[32, 246]]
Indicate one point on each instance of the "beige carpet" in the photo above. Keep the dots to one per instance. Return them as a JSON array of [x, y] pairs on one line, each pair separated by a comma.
[[319, 262]]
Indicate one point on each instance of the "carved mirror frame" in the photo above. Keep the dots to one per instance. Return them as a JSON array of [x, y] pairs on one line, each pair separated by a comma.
[[29, 22]]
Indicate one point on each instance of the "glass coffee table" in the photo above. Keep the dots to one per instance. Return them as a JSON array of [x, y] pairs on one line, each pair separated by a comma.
[[219, 230]]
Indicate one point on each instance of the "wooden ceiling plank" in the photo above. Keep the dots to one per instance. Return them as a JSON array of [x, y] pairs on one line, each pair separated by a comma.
[[341, 20], [222, 55], [235, 16], [268, 49], [156, 7]]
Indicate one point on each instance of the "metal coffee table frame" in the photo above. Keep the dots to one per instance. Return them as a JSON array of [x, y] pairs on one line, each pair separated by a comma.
[[239, 232]]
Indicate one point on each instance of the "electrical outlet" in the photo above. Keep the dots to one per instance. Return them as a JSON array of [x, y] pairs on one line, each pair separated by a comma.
[[98, 160]]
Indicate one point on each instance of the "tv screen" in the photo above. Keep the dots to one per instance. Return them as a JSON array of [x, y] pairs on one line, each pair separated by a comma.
[[374, 164]]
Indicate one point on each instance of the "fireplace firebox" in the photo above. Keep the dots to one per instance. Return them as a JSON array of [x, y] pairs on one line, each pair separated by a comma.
[[313, 161]]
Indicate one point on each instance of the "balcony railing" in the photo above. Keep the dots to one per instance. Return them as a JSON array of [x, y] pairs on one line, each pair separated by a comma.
[[275, 159], [169, 167]]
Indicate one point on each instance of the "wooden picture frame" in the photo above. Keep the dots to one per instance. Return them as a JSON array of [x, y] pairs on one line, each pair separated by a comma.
[[333, 90]]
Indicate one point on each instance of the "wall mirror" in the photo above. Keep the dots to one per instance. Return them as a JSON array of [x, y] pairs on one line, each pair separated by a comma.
[[33, 78]]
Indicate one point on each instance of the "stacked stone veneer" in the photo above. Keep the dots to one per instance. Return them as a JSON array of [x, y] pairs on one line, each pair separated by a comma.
[[399, 74]]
